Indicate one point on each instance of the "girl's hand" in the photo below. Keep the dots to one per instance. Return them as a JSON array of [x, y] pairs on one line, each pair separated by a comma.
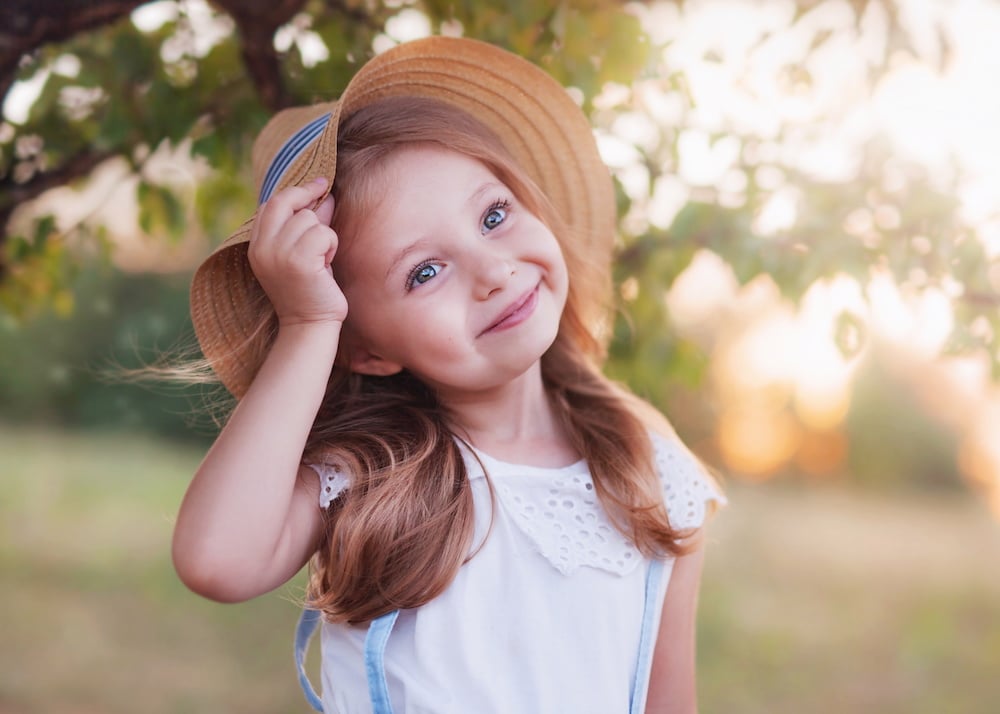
[[291, 250]]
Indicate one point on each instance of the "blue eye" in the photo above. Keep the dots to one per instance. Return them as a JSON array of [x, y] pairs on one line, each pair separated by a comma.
[[422, 273], [496, 215]]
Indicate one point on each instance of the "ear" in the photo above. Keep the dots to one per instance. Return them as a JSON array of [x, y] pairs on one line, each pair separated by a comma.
[[356, 357], [365, 362]]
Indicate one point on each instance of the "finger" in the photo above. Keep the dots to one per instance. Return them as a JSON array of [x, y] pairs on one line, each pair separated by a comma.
[[324, 211], [285, 233], [328, 259], [277, 248], [306, 194], [295, 198], [280, 207], [317, 242]]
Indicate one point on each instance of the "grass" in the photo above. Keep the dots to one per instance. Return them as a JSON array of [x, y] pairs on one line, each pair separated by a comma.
[[823, 600], [814, 599]]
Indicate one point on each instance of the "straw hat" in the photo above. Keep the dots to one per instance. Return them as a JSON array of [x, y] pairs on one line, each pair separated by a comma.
[[545, 131]]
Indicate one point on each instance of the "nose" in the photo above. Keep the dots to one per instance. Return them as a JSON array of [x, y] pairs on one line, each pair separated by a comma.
[[493, 270]]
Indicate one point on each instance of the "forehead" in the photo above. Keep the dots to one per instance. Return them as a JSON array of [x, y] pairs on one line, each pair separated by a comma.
[[411, 167], [407, 195]]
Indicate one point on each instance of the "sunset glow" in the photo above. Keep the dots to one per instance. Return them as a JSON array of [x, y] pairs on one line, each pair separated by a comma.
[[783, 382]]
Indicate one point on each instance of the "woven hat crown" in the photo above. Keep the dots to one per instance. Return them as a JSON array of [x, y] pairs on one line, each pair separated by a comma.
[[533, 116]]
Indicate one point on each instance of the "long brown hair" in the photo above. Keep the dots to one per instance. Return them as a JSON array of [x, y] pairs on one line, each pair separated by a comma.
[[397, 536]]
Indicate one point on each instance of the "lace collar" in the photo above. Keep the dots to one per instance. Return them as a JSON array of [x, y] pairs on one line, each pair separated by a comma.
[[557, 509]]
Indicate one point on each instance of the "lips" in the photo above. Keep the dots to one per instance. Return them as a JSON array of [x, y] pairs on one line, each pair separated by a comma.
[[516, 313]]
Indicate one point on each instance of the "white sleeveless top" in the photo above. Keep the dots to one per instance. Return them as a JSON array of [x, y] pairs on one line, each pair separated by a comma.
[[546, 617]]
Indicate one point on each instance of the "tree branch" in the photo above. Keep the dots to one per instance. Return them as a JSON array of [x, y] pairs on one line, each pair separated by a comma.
[[13, 194], [257, 21], [355, 15], [26, 25]]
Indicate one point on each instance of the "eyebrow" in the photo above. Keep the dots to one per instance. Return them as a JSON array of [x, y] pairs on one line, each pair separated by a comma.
[[419, 244], [402, 254]]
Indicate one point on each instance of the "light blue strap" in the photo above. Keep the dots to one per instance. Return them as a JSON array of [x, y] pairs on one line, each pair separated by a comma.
[[308, 621], [375, 641], [647, 638]]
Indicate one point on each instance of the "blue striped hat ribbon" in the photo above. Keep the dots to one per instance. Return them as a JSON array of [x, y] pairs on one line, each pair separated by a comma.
[[288, 153]]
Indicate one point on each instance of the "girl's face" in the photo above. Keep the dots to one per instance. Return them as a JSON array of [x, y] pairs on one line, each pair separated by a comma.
[[449, 276]]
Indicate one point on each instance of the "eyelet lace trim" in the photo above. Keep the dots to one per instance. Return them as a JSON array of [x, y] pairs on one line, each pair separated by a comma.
[[332, 482], [687, 488], [562, 516], [559, 512]]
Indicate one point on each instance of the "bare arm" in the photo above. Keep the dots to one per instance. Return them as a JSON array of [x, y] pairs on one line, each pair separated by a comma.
[[251, 517], [672, 679]]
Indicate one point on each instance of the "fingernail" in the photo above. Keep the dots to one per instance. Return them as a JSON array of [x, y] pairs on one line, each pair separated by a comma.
[[319, 181]]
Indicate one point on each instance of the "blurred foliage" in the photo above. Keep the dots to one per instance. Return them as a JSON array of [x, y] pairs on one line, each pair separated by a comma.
[[72, 371], [205, 80], [119, 91], [895, 440]]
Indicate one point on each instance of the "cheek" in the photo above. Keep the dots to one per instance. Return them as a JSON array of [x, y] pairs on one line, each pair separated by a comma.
[[363, 299], [354, 333], [557, 263], [365, 322]]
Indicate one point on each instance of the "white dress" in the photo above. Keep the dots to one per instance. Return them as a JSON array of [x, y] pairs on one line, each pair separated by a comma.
[[545, 618]]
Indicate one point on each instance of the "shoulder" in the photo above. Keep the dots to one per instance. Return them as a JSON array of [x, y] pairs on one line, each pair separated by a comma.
[[690, 492]]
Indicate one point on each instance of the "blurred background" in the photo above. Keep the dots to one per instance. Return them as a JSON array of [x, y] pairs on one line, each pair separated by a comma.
[[809, 287]]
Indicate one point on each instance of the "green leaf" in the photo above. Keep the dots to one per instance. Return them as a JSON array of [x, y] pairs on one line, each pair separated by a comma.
[[160, 211]]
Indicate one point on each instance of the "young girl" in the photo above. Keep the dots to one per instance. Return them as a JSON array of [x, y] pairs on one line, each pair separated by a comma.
[[491, 524]]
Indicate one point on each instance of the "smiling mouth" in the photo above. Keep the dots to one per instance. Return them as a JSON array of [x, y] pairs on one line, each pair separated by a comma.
[[514, 315]]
